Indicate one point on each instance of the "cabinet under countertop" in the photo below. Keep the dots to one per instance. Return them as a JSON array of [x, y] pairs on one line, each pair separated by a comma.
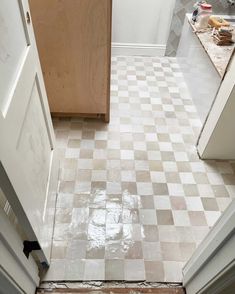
[[74, 44]]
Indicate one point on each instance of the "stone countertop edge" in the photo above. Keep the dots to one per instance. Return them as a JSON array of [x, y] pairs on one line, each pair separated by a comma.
[[220, 56]]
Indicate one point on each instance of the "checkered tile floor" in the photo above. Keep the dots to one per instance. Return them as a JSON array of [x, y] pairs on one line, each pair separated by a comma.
[[134, 198]]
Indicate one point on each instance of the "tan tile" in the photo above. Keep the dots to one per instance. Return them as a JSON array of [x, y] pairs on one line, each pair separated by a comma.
[[142, 176], [126, 145], [183, 166], [100, 144], [130, 216], [67, 187], [190, 190], [164, 217], [63, 215], [140, 155], [59, 249], [95, 250], [129, 188], [209, 203], [173, 271], [114, 269], [150, 233], [154, 271], [170, 251], [172, 177], [220, 191], [114, 249], [132, 232], [178, 203], [155, 165], [99, 164], [88, 135], [134, 270], [94, 269], [152, 251], [146, 202], [86, 153], [200, 178], [160, 189], [74, 143], [197, 218], [133, 249], [187, 250]]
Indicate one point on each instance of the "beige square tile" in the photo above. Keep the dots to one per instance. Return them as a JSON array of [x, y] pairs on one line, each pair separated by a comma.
[[114, 249], [134, 270], [95, 250], [173, 271], [181, 218], [154, 271], [164, 217], [142, 176], [94, 270], [191, 190], [219, 191], [133, 249], [197, 218], [178, 203], [150, 233], [170, 251], [67, 187], [59, 249], [114, 269], [147, 216], [74, 269], [187, 250], [209, 204], [152, 251]]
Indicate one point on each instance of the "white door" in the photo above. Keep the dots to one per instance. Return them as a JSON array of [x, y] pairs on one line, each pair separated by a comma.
[[26, 132]]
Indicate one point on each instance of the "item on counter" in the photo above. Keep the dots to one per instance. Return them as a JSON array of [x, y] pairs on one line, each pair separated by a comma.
[[217, 22], [223, 36], [196, 10], [204, 13]]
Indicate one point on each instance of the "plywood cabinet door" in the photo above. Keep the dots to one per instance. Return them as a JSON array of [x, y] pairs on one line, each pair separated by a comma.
[[74, 43]]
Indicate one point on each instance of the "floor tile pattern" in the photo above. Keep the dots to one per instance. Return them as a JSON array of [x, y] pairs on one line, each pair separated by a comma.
[[134, 198]]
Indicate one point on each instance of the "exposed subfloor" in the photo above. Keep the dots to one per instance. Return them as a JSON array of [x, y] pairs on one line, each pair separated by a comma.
[[134, 198], [110, 288]]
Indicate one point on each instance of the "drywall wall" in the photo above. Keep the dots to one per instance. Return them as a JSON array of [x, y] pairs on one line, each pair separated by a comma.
[[141, 27]]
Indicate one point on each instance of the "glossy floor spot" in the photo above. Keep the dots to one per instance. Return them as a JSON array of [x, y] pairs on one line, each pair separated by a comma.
[[134, 198]]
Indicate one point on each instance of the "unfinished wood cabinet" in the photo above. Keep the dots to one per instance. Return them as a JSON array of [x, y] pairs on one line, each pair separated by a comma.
[[74, 44]]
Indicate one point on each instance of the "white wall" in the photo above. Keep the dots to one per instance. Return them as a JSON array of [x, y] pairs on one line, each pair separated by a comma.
[[141, 26]]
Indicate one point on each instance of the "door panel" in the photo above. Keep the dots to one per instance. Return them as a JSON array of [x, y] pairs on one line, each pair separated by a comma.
[[27, 136], [34, 146], [12, 50]]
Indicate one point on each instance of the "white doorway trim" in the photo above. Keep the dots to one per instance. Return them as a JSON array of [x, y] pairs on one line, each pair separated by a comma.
[[213, 263], [17, 273]]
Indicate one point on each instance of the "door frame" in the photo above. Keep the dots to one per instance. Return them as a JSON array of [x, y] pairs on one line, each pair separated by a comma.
[[17, 273], [212, 267], [18, 210]]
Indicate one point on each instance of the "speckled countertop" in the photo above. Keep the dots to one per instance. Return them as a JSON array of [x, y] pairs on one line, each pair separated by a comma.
[[219, 55]]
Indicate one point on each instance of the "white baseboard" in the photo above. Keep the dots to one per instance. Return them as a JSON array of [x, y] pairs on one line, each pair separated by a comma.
[[136, 49]]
